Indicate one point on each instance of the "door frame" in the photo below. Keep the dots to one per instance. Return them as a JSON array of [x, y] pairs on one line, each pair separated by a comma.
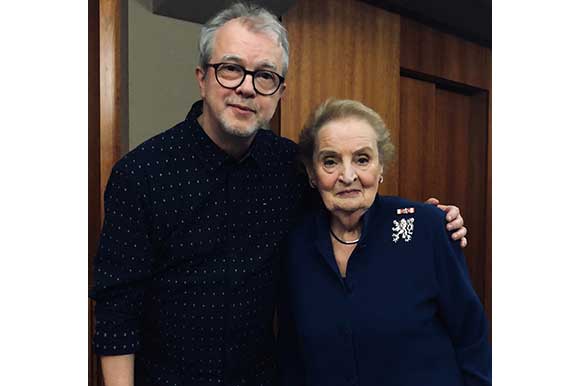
[[107, 97]]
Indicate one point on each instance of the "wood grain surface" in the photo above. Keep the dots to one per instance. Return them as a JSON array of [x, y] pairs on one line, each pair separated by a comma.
[[418, 142], [94, 177], [443, 153], [107, 104], [342, 49], [110, 87], [426, 50], [94, 142]]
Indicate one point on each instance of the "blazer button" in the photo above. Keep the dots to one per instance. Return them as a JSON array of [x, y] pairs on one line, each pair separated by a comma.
[[352, 380], [348, 286]]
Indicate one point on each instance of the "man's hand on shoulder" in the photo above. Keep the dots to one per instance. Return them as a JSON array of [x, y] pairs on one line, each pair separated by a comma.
[[454, 220]]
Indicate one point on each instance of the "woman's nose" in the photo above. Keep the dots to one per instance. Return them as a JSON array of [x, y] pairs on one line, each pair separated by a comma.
[[348, 175]]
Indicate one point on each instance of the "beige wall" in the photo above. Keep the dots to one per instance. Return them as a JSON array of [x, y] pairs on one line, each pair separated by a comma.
[[162, 55]]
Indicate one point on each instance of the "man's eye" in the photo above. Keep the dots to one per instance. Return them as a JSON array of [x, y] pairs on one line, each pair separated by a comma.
[[265, 75], [230, 68]]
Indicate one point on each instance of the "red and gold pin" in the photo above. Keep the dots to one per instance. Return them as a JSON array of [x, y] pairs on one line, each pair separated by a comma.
[[405, 210]]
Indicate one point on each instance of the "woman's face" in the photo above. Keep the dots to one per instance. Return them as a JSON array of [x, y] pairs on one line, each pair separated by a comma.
[[345, 165]]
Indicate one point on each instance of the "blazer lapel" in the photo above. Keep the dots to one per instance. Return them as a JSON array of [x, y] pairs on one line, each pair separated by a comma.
[[323, 242]]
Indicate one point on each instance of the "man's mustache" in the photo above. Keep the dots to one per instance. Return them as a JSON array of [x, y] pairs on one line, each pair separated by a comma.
[[247, 103]]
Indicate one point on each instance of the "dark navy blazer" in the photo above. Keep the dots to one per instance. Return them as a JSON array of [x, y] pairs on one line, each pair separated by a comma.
[[405, 314]]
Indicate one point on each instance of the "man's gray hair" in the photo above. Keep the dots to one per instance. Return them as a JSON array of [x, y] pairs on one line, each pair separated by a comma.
[[256, 18]]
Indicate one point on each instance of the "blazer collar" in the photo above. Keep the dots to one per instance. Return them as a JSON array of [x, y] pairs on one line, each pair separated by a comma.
[[323, 241]]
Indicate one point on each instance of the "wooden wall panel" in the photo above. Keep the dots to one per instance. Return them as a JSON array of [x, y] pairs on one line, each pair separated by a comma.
[[107, 122], [488, 216], [443, 147], [452, 121], [94, 177], [275, 121], [418, 140], [446, 59], [342, 49], [426, 50], [463, 130], [93, 126], [111, 91], [477, 190], [488, 243]]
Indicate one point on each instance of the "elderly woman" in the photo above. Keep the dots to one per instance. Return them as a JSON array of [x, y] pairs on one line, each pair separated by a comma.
[[374, 291]]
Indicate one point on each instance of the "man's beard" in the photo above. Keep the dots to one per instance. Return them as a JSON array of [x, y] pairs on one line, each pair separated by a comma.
[[243, 132]]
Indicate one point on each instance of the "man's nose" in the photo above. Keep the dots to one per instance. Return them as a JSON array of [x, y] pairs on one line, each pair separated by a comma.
[[247, 87]]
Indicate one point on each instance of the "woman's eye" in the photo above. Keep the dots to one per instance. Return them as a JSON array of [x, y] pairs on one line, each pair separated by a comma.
[[329, 162], [363, 161]]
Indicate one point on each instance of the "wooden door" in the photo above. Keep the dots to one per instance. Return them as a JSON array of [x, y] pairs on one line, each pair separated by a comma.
[[446, 111], [443, 153]]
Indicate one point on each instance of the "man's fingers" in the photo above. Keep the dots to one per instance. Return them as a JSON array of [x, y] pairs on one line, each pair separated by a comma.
[[455, 221], [452, 212], [459, 233], [432, 201], [455, 224]]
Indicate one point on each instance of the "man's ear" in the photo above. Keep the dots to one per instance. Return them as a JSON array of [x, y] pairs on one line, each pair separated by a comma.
[[200, 76], [282, 89], [311, 176]]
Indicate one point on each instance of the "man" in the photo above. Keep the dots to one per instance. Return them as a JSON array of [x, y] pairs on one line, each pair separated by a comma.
[[185, 273]]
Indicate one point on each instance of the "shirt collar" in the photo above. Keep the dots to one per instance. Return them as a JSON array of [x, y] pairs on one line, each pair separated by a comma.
[[213, 156]]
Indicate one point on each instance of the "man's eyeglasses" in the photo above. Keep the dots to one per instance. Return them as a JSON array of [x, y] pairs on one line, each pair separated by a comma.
[[232, 75]]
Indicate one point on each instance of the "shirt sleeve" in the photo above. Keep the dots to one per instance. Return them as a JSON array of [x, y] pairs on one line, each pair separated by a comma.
[[122, 266], [461, 309]]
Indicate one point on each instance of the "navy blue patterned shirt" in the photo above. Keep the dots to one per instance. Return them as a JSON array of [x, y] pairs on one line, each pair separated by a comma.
[[185, 271]]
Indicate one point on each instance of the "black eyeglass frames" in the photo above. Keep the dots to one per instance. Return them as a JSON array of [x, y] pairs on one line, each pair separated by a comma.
[[232, 75]]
